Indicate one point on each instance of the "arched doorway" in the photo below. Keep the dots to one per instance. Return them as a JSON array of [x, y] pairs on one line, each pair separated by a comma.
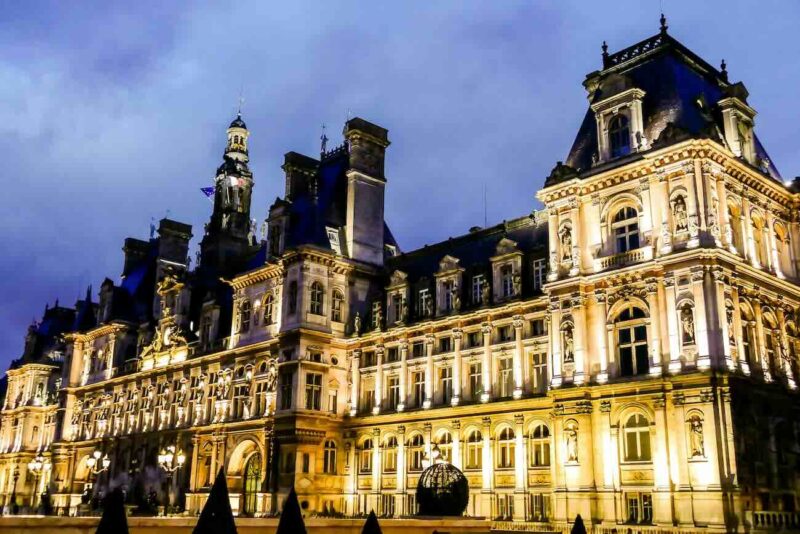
[[252, 484]]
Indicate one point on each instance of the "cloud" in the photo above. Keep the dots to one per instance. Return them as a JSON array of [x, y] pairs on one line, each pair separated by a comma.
[[114, 112]]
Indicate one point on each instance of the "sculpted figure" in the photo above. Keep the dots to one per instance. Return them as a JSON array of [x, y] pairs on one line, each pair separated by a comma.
[[571, 436], [679, 214], [696, 441], [687, 324]]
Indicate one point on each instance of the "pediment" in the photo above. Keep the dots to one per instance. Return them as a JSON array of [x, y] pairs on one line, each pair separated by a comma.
[[506, 246], [397, 277], [448, 263]]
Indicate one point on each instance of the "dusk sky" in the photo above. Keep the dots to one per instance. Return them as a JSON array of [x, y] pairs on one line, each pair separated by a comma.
[[115, 113]]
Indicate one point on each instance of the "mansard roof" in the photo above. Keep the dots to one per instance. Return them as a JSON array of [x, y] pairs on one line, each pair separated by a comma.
[[44, 336], [475, 249], [681, 96]]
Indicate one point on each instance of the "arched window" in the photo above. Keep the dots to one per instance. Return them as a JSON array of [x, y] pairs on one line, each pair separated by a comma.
[[625, 227], [244, 317], [540, 446], [637, 439], [473, 452], [631, 333], [390, 455], [415, 452], [445, 443], [252, 484], [316, 298], [505, 448], [365, 456], [269, 307], [329, 458], [337, 303], [619, 136]]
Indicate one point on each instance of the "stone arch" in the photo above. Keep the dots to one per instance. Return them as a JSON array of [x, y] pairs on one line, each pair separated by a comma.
[[616, 203], [615, 309]]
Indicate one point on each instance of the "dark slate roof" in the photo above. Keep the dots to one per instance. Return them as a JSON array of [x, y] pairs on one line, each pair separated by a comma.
[[238, 122], [680, 102], [45, 335], [474, 250]]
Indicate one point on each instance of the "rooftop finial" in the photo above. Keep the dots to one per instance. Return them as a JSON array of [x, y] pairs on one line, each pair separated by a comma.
[[605, 49], [663, 23], [324, 140], [723, 68]]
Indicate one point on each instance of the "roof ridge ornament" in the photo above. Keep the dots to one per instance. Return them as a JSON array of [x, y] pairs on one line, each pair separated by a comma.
[[723, 70], [663, 21]]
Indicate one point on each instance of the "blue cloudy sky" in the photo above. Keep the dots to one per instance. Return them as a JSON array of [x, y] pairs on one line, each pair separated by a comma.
[[115, 112]]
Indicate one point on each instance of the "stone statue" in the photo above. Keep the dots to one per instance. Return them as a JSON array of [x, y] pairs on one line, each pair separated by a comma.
[[687, 324], [679, 214], [404, 310], [566, 243], [264, 228], [485, 294], [696, 441], [729, 318], [429, 307], [516, 281], [569, 344], [272, 376], [378, 317], [571, 436], [357, 324], [456, 298]]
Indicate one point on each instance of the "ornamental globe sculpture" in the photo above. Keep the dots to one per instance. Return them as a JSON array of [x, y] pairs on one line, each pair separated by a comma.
[[442, 489]]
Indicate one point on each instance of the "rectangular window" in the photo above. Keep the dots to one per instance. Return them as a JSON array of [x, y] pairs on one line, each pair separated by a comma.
[[478, 282], [538, 328], [639, 508], [417, 349], [540, 507], [397, 307], [506, 377], [306, 462], [286, 391], [418, 383], [539, 272], [368, 360], [507, 279], [445, 345], [289, 462], [292, 296], [504, 334], [392, 355], [446, 384], [368, 400], [539, 372], [424, 304], [333, 401], [475, 380], [393, 388], [474, 339], [313, 391], [447, 293], [505, 507]]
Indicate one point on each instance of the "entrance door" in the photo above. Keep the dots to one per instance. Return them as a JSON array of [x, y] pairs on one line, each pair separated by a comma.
[[252, 484]]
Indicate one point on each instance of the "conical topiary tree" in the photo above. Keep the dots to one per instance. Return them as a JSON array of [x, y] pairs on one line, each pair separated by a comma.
[[217, 516], [114, 520], [578, 526], [291, 521], [372, 526]]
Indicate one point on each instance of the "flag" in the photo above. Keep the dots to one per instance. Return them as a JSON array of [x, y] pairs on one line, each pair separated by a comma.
[[207, 191], [217, 517]]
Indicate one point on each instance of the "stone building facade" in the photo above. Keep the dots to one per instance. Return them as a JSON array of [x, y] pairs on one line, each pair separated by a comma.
[[628, 353]]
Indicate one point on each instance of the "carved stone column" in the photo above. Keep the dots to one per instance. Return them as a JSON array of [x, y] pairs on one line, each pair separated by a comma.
[[355, 378], [700, 320], [655, 326], [486, 365], [403, 376], [552, 226], [518, 356], [428, 371], [400, 500], [379, 350], [600, 336], [456, 456], [579, 338], [376, 462], [760, 351], [555, 342], [672, 326], [457, 367]]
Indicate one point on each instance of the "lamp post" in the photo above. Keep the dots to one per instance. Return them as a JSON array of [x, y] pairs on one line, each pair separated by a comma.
[[97, 463], [12, 500], [170, 461], [38, 466]]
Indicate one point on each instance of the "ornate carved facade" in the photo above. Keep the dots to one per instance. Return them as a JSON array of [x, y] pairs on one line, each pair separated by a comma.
[[629, 353]]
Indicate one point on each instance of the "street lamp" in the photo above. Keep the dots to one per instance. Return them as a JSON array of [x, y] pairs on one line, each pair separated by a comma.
[[38, 466], [170, 461], [14, 508], [98, 462]]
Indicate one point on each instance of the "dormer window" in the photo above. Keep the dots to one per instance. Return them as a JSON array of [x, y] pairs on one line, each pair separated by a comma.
[[619, 136], [244, 317], [507, 279]]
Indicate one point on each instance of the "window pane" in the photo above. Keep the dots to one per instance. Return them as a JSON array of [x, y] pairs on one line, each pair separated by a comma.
[[625, 361], [640, 333], [642, 361], [644, 438], [625, 335]]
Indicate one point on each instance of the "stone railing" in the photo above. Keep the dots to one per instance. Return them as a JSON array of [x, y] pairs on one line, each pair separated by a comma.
[[769, 521], [623, 258]]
